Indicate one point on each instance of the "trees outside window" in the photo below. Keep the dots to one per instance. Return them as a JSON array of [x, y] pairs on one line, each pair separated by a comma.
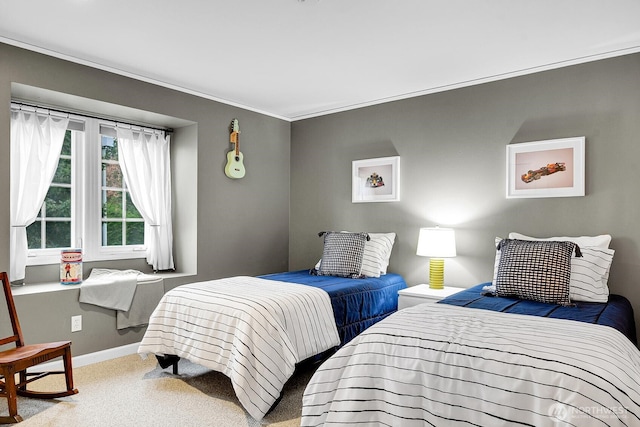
[[122, 224]]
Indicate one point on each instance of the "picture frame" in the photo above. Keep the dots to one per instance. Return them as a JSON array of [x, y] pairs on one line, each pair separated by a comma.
[[375, 180], [549, 168]]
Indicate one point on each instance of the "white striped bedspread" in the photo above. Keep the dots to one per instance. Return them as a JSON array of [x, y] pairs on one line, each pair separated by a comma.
[[442, 365], [251, 329]]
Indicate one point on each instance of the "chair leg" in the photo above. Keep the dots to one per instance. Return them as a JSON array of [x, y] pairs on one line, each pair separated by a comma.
[[68, 372], [11, 395], [23, 380]]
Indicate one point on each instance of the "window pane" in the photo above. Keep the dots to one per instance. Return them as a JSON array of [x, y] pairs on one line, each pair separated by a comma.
[[111, 233], [132, 212], [66, 145], [111, 175], [63, 173], [45, 233], [109, 148], [58, 202], [135, 233], [111, 204], [34, 235], [58, 234]]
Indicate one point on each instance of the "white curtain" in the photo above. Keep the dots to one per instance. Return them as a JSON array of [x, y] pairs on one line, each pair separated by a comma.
[[144, 160], [36, 143]]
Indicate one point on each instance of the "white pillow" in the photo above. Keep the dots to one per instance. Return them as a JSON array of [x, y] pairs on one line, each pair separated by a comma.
[[379, 246], [377, 251], [601, 241], [589, 273], [496, 262]]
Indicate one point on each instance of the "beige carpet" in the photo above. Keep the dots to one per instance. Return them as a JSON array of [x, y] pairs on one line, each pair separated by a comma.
[[129, 391]]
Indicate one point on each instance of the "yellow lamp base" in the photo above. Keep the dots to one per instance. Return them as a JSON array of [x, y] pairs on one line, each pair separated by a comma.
[[436, 273]]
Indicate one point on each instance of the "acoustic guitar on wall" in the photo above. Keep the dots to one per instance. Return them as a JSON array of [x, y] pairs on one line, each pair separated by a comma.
[[235, 166]]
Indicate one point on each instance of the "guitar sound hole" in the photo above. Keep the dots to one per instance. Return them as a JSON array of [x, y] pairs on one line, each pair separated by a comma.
[[237, 159]]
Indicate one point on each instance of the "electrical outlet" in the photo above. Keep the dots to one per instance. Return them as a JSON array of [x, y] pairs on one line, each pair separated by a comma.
[[76, 323]]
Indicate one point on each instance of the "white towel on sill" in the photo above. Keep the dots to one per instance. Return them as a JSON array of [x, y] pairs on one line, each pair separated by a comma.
[[110, 288]]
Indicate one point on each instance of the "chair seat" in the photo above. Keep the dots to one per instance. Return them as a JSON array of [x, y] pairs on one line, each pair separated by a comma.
[[31, 351]]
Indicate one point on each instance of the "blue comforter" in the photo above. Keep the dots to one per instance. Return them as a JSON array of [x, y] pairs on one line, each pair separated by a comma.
[[617, 312], [357, 303]]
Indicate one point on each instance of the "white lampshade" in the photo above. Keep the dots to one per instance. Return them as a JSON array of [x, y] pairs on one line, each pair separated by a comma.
[[436, 242]]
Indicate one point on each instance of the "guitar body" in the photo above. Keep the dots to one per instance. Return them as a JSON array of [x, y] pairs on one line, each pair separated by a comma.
[[235, 166]]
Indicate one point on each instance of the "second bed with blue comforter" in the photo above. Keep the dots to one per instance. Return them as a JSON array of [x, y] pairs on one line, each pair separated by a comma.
[[479, 360]]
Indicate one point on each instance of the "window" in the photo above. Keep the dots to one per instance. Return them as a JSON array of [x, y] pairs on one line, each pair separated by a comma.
[[88, 204]]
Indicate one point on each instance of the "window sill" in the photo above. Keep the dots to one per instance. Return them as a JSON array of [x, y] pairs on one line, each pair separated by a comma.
[[40, 288]]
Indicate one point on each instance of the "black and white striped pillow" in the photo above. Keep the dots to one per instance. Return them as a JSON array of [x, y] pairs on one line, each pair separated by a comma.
[[535, 270], [342, 254]]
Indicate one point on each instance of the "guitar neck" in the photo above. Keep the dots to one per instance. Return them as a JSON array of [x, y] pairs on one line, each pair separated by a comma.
[[235, 139]]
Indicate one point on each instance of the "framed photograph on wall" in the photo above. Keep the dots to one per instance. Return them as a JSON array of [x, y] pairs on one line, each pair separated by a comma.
[[552, 168], [375, 180]]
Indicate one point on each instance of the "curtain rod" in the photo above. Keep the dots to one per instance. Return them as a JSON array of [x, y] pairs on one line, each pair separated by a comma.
[[117, 122]]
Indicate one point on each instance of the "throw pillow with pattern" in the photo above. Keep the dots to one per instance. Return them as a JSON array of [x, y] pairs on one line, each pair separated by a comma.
[[535, 270]]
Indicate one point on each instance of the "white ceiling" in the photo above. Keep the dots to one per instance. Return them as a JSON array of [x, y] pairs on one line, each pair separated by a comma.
[[295, 59]]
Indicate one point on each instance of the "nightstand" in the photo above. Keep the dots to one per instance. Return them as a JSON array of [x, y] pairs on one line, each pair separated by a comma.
[[423, 293]]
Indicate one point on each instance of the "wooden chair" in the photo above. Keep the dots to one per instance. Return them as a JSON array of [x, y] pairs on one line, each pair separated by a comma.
[[16, 361]]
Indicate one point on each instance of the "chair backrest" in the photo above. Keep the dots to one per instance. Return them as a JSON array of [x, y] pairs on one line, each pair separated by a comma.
[[13, 314]]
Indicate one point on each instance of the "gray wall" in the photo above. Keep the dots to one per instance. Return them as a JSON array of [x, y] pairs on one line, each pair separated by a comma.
[[229, 226], [452, 149]]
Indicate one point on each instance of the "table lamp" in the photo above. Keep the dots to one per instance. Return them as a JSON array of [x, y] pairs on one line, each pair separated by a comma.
[[437, 243]]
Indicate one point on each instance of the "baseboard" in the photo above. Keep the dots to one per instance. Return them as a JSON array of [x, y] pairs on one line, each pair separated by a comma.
[[98, 356]]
